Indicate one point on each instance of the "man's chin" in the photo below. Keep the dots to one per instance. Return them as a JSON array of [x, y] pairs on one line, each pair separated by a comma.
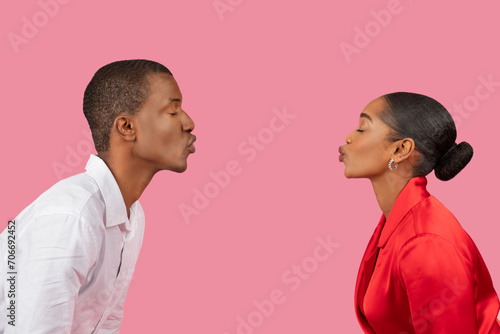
[[178, 169]]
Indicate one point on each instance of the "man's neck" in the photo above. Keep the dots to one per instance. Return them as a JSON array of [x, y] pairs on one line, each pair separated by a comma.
[[132, 177]]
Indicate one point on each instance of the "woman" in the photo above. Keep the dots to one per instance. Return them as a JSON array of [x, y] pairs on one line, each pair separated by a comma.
[[421, 272]]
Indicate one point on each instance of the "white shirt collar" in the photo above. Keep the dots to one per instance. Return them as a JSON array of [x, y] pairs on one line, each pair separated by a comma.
[[116, 211]]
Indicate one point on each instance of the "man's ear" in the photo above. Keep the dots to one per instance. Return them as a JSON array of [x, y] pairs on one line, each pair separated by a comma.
[[125, 127]]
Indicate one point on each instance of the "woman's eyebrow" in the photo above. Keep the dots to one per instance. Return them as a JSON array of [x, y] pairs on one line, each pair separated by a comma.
[[366, 116]]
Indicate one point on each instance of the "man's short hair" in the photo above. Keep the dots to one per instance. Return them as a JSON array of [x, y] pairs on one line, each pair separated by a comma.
[[119, 88]]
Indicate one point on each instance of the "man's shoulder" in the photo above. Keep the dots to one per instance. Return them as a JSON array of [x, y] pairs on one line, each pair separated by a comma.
[[74, 196]]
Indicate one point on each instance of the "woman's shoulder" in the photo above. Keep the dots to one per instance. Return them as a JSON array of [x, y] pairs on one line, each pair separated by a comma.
[[431, 216], [430, 219]]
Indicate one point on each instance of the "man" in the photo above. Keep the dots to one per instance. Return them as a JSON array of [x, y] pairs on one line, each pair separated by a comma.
[[76, 246]]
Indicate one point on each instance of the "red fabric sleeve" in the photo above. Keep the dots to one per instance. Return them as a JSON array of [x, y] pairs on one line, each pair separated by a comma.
[[438, 280]]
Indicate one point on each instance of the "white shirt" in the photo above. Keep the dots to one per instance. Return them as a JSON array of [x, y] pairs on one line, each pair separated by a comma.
[[75, 254]]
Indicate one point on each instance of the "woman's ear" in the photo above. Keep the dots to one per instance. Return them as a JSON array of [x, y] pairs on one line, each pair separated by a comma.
[[404, 149]]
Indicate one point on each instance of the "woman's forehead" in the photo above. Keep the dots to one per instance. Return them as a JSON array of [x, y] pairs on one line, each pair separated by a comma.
[[374, 108]]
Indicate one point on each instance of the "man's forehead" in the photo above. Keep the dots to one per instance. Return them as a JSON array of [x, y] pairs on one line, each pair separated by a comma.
[[164, 83], [161, 78]]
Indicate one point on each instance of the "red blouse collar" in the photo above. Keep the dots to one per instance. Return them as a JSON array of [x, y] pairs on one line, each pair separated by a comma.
[[412, 193]]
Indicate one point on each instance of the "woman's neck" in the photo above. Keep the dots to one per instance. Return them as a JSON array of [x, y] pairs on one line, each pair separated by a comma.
[[387, 189]]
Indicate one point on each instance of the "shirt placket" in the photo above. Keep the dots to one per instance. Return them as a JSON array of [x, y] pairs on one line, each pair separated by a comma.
[[119, 280]]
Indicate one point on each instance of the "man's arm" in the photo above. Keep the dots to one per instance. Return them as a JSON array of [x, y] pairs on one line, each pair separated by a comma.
[[54, 255], [112, 323]]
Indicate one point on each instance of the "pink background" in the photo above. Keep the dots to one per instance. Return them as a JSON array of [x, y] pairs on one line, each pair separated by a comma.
[[233, 71]]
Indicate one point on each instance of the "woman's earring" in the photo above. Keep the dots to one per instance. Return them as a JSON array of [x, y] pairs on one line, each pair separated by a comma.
[[390, 165]]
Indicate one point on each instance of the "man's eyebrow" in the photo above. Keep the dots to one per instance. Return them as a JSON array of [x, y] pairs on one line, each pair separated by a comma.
[[170, 100], [366, 116]]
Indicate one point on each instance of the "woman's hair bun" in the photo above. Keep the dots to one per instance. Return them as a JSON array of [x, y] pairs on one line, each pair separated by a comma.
[[453, 161]]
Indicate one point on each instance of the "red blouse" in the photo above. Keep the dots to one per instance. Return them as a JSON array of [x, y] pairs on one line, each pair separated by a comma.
[[423, 273]]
